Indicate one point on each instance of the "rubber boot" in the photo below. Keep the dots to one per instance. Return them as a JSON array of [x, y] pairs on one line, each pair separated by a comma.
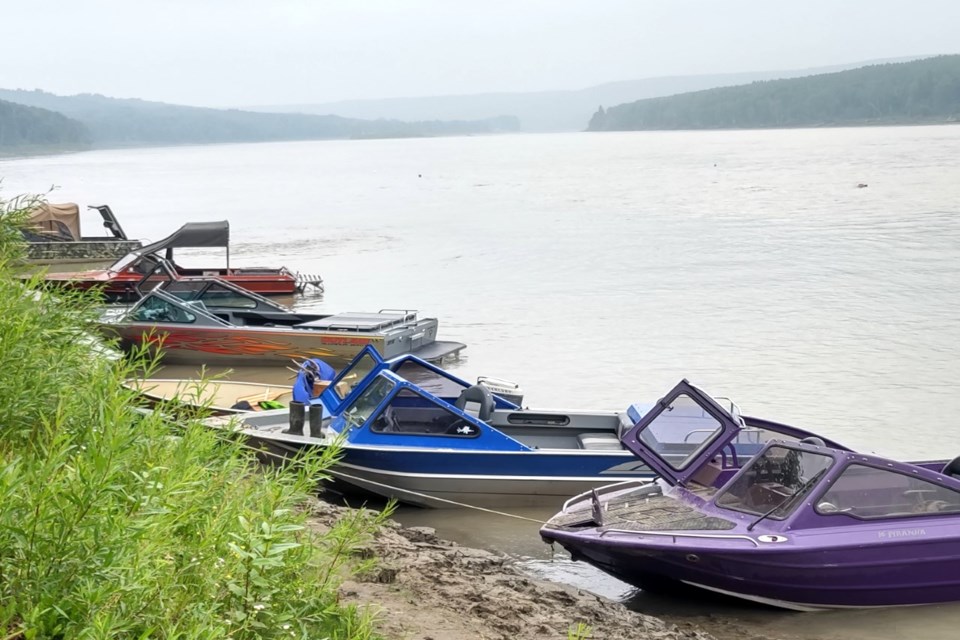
[[296, 418], [316, 420]]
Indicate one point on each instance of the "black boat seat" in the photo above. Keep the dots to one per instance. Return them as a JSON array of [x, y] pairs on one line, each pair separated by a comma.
[[387, 421], [476, 401], [952, 468]]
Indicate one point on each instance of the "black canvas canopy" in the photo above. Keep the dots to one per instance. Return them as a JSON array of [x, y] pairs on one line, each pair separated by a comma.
[[194, 234], [190, 235]]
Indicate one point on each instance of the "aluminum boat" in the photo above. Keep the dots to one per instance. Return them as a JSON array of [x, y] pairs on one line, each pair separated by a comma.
[[207, 320], [412, 431]]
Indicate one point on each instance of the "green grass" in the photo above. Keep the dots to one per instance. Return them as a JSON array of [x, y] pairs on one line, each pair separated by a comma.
[[114, 524]]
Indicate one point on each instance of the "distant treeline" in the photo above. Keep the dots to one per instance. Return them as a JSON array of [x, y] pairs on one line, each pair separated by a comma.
[[23, 127], [112, 122], [922, 91]]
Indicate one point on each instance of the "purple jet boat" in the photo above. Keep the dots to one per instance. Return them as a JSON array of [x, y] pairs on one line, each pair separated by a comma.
[[803, 525]]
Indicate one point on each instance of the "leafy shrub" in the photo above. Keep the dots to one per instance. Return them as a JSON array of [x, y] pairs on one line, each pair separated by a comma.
[[115, 525]]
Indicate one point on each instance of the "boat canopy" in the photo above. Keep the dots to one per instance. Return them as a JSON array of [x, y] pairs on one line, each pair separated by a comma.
[[192, 235], [57, 220]]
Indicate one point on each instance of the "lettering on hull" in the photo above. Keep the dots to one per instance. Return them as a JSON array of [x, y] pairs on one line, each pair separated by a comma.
[[901, 533]]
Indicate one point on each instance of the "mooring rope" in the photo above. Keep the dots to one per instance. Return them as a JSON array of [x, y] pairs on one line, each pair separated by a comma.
[[347, 476]]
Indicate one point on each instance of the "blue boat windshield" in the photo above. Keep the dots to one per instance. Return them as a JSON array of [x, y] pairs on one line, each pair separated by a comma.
[[409, 412], [367, 402], [353, 374], [438, 382], [775, 482]]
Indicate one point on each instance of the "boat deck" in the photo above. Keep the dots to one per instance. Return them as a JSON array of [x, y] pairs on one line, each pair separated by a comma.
[[642, 509], [360, 321], [438, 350]]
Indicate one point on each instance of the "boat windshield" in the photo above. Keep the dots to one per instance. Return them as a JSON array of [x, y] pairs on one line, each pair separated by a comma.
[[681, 431], [155, 309], [143, 263], [366, 403], [774, 483], [211, 294], [868, 492], [352, 375], [437, 382]]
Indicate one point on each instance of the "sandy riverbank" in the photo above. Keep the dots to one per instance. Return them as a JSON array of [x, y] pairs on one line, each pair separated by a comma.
[[427, 588]]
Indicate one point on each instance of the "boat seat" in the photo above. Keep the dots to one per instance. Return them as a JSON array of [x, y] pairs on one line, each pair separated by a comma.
[[624, 424], [476, 401], [952, 468], [387, 421], [599, 441]]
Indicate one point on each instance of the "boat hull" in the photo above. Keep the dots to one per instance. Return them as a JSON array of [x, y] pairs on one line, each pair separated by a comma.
[[85, 250], [804, 578], [122, 286], [251, 346], [453, 479]]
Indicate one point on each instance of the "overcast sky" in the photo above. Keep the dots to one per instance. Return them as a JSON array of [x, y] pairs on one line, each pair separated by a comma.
[[254, 52]]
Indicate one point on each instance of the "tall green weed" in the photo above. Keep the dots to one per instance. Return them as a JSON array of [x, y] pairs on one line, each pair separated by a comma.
[[113, 525]]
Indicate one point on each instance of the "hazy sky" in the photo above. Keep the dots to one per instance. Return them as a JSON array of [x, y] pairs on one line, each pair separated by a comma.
[[252, 52]]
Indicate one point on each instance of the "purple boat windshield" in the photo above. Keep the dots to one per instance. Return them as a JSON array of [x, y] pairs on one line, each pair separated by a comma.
[[775, 482], [682, 432]]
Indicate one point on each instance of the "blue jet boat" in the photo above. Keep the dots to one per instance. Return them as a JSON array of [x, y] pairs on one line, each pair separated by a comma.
[[412, 431]]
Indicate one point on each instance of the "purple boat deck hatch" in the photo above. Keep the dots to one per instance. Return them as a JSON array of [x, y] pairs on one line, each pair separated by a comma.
[[802, 524]]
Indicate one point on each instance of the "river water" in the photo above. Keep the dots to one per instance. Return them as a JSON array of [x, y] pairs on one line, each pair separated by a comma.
[[599, 269]]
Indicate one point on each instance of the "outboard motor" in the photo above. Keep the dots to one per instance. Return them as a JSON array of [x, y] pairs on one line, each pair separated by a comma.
[[509, 391]]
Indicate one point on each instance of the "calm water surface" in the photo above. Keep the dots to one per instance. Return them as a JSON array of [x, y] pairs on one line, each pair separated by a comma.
[[599, 269]]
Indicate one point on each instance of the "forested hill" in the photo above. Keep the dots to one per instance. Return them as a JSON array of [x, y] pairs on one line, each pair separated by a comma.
[[922, 91], [23, 127], [116, 122]]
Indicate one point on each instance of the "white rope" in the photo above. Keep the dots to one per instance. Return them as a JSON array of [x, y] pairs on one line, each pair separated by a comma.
[[347, 476]]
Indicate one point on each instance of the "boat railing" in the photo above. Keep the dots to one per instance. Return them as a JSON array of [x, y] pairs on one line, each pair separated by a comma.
[[408, 314], [304, 280], [677, 534], [696, 431], [733, 409], [600, 491]]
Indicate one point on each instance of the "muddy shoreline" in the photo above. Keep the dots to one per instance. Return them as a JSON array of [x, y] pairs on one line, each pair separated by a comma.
[[425, 587]]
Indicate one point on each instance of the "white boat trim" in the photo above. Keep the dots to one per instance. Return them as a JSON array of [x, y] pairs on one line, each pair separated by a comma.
[[782, 604], [465, 476], [681, 534]]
